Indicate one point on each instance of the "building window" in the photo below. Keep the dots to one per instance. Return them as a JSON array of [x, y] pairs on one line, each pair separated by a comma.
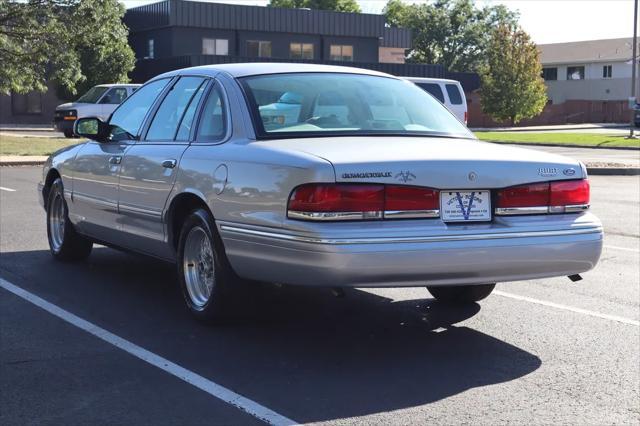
[[259, 49], [213, 46], [26, 104], [301, 51], [341, 53], [151, 49], [550, 74], [606, 71], [575, 73]]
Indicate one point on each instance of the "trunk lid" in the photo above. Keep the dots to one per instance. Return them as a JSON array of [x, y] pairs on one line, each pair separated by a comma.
[[443, 163]]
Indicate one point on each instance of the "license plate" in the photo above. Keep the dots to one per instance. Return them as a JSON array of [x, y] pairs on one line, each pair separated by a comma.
[[465, 206]]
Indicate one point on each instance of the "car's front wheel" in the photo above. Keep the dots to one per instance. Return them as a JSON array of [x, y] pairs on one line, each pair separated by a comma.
[[68, 133], [208, 283], [64, 242], [461, 293]]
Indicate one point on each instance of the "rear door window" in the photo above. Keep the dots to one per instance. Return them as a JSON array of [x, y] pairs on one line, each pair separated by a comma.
[[454, 94], [434, 89], [212, 127]]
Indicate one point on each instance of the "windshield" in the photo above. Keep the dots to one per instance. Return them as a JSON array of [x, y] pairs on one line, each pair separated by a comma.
[[92, 96], [310, 104]]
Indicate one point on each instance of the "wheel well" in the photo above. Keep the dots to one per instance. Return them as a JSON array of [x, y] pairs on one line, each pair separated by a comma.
[[180, 208], [51, 177]]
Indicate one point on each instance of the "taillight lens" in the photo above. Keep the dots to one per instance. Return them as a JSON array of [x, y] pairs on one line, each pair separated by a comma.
[[548, 197], [410, 198], [533, 195], [569, 193], [362, 201]]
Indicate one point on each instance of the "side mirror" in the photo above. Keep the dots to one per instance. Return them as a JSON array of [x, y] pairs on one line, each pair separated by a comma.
[[92, 128]]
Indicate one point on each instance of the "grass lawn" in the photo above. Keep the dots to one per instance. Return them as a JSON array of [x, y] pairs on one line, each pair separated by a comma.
[[569, 139], [21, 145]]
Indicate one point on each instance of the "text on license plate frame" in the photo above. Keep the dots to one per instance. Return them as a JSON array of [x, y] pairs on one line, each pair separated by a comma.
[[450, 211]]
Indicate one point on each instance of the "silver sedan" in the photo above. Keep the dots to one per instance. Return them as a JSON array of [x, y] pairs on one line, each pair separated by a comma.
[[317, 176]]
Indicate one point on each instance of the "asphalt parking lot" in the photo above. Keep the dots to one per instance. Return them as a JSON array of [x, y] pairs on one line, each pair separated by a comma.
[[536, 352]]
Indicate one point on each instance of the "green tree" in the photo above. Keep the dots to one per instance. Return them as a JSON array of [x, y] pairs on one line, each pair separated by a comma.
[[335, 5], [512, 87], [73, 43], [453, 33]]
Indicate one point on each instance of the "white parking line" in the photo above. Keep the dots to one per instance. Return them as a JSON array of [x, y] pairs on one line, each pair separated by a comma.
[[2, 188], [622, 248], [226, 395], [569, 308]]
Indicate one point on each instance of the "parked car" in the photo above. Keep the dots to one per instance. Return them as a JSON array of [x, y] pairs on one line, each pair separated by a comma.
[[380, 186], [100, 101], [448, 92]]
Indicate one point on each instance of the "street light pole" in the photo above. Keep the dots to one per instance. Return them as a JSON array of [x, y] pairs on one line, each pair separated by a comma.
[[634, 62]]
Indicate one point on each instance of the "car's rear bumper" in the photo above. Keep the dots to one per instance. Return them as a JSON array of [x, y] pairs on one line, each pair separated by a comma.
[[458, 258]]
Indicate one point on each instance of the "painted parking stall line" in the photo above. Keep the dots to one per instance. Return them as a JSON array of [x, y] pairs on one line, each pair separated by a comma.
[[2, 188], [569, 308], [226, 395], [633, 250]]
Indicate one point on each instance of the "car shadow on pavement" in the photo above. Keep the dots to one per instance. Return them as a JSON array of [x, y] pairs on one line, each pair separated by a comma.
[[300, 351]]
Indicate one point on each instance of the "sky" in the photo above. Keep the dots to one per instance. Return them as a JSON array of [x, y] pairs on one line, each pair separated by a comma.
[[547, 21]]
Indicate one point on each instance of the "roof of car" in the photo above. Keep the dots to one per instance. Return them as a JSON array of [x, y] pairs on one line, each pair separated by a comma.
[[431, 80], [260, 68], [118, 85]]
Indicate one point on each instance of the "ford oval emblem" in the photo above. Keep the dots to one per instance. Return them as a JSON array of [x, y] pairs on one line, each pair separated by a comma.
[[569, 172], [473, 176]]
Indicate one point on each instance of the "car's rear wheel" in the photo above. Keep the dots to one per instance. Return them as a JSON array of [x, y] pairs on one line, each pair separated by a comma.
[[208, 283], [461, 293], [64, 242]]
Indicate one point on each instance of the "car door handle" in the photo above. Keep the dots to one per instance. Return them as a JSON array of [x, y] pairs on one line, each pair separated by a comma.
[[116, 159], [169, 164]]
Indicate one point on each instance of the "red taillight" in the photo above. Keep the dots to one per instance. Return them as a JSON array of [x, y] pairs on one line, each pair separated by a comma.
[[405, 198], [533, 195], [325, 201], [548, 197], [569, 193], [337, 198]]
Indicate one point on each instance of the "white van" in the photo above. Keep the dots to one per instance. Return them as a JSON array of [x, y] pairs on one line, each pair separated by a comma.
[[100, 101], [448, 92]]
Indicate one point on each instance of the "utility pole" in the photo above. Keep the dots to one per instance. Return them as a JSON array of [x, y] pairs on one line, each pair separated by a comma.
[[634, 62]]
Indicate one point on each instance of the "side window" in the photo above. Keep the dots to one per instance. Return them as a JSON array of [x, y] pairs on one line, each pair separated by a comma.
[[454, 94], [212, 122], [187, 120], [114, 96], [434, 89], [165, 123], [127, 119]]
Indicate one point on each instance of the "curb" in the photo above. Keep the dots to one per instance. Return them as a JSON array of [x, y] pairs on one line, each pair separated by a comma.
[[623, 148], [19, 163], [613, 171], [548, 129], [593, 171]]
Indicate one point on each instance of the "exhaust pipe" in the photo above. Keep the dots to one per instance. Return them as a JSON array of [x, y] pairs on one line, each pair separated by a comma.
[[575, 277]]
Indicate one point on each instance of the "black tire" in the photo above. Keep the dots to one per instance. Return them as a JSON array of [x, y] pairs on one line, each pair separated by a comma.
[[461, 294], [227, 288], [68, 133], [64, 242]]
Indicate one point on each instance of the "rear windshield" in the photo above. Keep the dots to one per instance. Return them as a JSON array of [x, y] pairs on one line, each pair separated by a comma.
[[310, 104], [434, 89], [454, 94], [92, 96]]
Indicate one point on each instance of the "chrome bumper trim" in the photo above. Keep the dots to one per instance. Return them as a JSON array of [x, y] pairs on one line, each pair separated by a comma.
[[507, 211], [411, 214], [425, 239], [334, 216]]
